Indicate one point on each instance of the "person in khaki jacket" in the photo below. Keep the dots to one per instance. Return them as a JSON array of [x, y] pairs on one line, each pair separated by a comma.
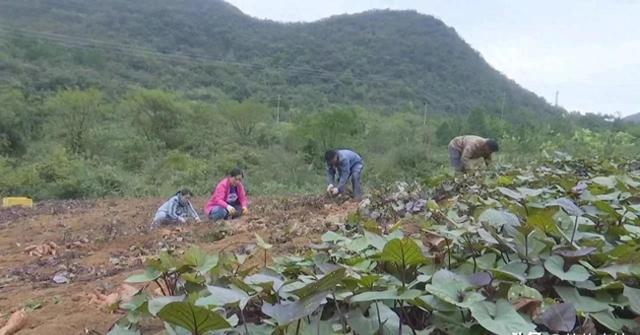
[[462, 149]]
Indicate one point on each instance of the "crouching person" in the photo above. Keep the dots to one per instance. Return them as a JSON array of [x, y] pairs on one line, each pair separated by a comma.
[[176, 210], [229, 199]]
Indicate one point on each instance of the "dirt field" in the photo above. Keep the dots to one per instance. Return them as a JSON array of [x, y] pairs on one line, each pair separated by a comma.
[[102, 242]]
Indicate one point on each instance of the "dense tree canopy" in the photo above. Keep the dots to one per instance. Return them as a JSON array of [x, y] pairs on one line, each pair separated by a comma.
[[101, 98]]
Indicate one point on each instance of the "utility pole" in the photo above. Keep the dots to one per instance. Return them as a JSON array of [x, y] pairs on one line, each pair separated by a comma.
[[424, 121], [278, 110], [557, 93]]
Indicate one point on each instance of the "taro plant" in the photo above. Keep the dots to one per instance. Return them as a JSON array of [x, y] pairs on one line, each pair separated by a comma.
[[540, 249]]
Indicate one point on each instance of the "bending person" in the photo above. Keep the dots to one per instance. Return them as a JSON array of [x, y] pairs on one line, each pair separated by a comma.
[[462, 149], [346, 164]]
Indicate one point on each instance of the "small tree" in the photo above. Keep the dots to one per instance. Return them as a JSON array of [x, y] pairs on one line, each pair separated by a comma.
[[444, 133], [72, 114], [477, 123], [245, 116], [157, 114]]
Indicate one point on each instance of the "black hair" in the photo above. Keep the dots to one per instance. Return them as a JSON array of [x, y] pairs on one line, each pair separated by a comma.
[[329, 155], [493, 145], [185, 191], [236, 172]]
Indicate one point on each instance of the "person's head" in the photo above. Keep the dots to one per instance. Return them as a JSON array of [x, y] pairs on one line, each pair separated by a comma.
[[492, 146], [331, 157], [185, 194], [235, 176]]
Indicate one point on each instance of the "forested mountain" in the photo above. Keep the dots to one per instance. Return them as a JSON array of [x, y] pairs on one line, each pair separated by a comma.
[[635, 118], [389, 60], [130, 98]]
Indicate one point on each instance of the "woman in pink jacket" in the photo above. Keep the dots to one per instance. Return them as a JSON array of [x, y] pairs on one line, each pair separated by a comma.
[[229, 199]]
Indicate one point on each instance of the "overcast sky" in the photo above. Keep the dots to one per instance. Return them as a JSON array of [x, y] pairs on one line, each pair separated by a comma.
[[587, 50]]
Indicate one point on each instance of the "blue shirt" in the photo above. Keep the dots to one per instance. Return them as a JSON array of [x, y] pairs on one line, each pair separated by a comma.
[[347, 161]]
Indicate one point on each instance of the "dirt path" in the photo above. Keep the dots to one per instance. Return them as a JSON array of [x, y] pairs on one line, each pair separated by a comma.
[[102, 242]]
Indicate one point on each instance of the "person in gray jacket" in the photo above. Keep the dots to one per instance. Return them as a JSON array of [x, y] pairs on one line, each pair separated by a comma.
[[176, 210], [346, 164]]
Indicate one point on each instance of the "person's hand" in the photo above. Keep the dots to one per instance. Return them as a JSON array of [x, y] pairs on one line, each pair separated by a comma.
[[181, 219], [231, 210], [245, 210], [329, 188], [198, 220], [334, 191]]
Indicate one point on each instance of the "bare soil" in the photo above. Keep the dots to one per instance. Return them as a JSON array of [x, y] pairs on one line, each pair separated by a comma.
[[102, 242]]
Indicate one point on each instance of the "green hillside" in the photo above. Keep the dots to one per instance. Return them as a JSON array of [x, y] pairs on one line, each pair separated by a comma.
[[113, 98], [383, 59]]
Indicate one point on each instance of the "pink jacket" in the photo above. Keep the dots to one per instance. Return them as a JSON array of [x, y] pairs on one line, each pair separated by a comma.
[[219, 196]]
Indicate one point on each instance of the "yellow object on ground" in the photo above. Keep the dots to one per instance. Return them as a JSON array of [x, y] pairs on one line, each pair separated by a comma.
[[17, 201]]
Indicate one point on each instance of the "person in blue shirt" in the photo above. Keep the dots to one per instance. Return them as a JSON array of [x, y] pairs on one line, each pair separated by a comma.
[[345, 164]]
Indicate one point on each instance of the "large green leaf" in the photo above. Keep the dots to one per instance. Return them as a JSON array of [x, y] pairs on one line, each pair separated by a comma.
[[518, 270], [515, 195], [431, 302], [533, 246], [500, 318], [148, 275], [391, 294], [326, 283], [389, 321], [522, 291], [577, 272], [404, 253], [358, 245], [197, 320], [633, 294], [263, 278], [581, 303], [334, 237], [375, 240], [261, 243], [156, 304], [453, 289], [609, 182], [500, 219], [569, 206], [286, 313], [200, 260], [221, 296], [608, 320]]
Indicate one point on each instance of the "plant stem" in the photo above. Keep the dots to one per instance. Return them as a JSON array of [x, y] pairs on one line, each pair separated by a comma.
[[379, 319], [342, 317], [526, 248], [265, 258], [502, 256], [244, 322], [575, 228], [448, 252], [160, 286], [298, 327], [524, 204], [406, 317]]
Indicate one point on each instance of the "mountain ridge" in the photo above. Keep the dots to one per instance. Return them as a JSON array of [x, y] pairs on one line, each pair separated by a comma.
[[381, 58]]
